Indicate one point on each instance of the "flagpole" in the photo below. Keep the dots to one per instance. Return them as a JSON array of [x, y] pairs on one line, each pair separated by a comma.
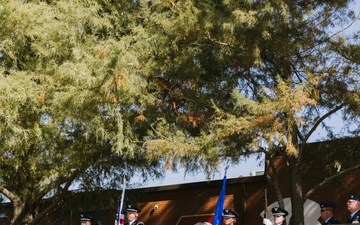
[[119, 220], [122, 195]]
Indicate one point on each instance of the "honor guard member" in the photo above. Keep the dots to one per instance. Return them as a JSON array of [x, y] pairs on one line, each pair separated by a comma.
[[132, 213], [327, 213], [88, 220], [353, 205], [229, 217], [279, 215]]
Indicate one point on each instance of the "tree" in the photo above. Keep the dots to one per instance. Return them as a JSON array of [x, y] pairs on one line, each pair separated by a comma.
[[95, 89], [71, 100], [251, 77]]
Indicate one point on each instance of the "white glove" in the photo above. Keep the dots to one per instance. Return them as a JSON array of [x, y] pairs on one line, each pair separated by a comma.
[[267, 222]]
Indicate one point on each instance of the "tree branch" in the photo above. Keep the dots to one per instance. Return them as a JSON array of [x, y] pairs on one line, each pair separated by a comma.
[[58, 199], [207, 35], [327, 179], [10, 195], [319, 121]]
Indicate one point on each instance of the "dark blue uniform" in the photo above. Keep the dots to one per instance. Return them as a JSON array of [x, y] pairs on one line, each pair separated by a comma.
[[135, 223], [332, 220], [133, 209], [355, 218], [354, 198], [327, 209]]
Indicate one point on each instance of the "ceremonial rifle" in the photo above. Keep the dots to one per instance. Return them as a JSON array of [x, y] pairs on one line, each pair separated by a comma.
[[266, 212]]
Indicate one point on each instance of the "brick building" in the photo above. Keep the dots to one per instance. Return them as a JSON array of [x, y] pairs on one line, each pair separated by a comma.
[[186, 204]]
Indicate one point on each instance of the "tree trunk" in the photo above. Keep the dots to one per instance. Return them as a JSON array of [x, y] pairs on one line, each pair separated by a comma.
[[21, 214], [297, 203], [272, 177]]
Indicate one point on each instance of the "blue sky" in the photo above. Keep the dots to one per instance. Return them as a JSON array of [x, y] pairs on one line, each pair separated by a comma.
[[243, 169]]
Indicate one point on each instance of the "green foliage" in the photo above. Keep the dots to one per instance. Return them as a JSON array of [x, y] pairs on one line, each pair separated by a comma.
[[91, 90], [288, 71], [71, 98], [250, 77]]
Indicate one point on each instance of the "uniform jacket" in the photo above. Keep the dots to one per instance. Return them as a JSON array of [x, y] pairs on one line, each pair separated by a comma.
[[332, 220], [135, 223], [355, 218]]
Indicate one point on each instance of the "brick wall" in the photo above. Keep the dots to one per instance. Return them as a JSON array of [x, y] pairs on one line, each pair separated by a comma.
[[244, 194]]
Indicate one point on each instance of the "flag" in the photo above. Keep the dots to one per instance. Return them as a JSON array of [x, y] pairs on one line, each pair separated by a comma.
[[220, 205], [120, 213]]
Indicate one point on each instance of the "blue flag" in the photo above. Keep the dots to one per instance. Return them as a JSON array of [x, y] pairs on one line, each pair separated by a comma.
[[220, 205]]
